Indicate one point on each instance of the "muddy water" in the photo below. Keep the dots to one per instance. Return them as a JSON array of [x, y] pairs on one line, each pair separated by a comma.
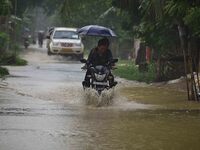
[[43, 106]]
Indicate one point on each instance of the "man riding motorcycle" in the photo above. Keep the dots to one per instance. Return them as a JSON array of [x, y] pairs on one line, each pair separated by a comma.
[[99, 55]]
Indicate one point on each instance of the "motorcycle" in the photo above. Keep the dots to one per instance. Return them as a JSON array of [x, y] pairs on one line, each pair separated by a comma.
[[100, 77]]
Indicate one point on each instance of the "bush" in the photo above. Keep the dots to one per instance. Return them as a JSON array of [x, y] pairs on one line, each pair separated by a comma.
[[12, 59], [20, 62], [3, 72], [4, 40], [128, 70]]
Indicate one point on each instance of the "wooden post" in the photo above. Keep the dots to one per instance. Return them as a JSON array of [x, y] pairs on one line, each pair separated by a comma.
[[182, 35]]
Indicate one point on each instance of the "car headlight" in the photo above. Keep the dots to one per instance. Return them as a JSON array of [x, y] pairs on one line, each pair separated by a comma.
[[78, 44], [56, 43], [100, 77]]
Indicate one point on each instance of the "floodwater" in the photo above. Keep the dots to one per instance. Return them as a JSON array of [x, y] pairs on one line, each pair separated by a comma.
[[43, 107]]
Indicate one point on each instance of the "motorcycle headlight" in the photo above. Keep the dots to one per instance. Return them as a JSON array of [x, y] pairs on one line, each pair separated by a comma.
[[100, 77]]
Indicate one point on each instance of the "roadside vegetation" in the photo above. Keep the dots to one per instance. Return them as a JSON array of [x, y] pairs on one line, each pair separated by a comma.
[[171, 29], [9, 43], [12, 59], [3, 72], [128, 70], [9, 54]]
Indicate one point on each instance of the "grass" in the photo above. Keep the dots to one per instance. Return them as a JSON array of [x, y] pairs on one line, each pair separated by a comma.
[[128, 70], [3, 71], [20, 62]]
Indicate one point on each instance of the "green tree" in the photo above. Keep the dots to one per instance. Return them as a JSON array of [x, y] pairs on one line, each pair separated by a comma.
[[19, 6], [185, 16], [5, 7], [163, 24], [79, 13]]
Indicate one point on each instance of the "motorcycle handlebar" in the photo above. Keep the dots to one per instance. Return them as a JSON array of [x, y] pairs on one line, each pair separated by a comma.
[[110, 63]]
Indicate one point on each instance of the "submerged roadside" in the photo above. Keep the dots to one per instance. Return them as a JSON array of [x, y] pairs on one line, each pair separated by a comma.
[[163, 95], [141, 88]]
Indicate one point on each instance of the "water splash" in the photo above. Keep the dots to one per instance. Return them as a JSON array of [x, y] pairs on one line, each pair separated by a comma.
[[91, 97]]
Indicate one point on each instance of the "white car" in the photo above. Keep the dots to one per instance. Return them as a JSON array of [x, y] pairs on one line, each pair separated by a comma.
[[66, 41]]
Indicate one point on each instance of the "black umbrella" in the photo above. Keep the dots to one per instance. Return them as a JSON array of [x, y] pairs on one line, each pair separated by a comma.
[[96, 30]]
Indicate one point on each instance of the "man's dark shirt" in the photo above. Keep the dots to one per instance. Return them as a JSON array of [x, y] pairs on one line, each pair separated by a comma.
[[96, 59]]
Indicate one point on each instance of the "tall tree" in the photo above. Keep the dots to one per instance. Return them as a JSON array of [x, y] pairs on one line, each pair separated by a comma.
[[19, 6], [162, 22], [82, 12]]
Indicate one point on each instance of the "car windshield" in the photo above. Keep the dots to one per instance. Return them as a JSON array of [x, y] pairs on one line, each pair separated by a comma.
[[65, 35]]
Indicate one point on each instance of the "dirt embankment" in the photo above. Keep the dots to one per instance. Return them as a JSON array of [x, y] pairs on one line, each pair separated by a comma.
[[177, 84]]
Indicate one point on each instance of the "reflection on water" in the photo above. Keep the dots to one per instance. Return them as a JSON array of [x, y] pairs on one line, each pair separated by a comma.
[[141, 130]]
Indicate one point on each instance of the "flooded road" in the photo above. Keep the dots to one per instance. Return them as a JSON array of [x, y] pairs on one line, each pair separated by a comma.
[[43, 107]]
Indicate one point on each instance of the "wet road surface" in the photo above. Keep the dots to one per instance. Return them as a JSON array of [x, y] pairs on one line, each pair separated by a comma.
[[42, 106]]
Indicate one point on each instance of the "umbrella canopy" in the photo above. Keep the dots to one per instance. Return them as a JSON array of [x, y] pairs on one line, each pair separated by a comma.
[[96, 30]]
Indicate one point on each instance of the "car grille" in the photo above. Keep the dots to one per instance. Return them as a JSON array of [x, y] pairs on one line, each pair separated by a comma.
[[66, 44]]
